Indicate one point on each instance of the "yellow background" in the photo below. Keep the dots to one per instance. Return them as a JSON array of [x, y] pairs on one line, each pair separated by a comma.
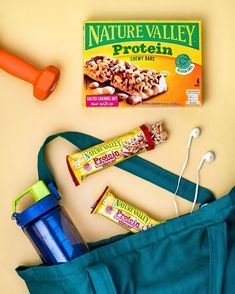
[[50, 32]]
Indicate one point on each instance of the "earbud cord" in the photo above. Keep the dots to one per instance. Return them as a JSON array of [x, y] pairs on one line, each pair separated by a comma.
[[179, 180], [196, 190]]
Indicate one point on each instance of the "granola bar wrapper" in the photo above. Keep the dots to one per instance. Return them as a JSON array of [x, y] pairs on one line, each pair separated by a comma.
[[122, 213], [111, 152]]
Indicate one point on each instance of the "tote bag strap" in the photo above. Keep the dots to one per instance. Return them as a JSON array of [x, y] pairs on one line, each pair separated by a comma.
[[100, 279], [135, 165]]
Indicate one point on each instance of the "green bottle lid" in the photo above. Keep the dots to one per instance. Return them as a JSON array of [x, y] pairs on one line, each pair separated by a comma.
[[38, 191]]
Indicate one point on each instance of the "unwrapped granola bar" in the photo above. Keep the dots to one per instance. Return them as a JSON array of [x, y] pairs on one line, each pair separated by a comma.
[[125, 76]]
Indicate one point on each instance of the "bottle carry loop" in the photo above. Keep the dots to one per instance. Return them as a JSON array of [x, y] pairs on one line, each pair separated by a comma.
[[135, 165]]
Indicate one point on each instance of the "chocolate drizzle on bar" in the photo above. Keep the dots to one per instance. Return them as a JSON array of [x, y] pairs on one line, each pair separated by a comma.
[[99, 67], [126, 76], [158, 134]]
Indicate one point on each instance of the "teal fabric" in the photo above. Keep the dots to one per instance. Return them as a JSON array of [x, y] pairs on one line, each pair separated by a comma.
[[194, 253], [135, 165]]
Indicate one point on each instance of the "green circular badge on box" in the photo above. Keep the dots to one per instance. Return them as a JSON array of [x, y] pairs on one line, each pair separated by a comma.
[[183, 61], [183, 64]]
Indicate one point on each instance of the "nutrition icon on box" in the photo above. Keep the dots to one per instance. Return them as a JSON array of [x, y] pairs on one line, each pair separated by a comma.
[[140, 63], [184, 64]]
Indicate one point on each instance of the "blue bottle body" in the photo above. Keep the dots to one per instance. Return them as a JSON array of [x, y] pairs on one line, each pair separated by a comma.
[[55, 237], [48, 226]]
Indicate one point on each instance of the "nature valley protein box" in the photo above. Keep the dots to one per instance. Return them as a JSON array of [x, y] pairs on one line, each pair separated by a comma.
[[142, 63]]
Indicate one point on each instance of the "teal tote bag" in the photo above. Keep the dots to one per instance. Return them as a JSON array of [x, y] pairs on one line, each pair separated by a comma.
[[194, 253]]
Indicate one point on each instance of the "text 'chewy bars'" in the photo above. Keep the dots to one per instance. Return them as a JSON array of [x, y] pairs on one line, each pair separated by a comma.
[[113, 151]]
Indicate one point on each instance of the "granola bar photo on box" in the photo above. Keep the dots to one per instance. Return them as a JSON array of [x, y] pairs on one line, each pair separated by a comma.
[[142, 63]]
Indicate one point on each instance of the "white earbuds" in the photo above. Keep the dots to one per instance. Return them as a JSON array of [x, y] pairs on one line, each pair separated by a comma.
[[208, 157], [193, 134]]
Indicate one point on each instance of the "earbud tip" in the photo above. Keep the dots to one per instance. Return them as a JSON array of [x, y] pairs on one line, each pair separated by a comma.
[[196, 132], [210, 156]]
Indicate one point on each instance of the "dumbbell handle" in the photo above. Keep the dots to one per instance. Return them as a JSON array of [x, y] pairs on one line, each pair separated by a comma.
[[18, 67]]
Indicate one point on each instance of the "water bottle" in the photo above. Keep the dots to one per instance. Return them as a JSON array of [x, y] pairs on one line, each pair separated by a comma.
[[47, 225]]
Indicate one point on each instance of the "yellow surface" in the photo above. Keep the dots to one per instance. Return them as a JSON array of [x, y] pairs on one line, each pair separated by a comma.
[[50, 32]]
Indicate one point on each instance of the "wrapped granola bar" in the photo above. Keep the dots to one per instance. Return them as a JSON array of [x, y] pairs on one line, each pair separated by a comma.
[[111, 152], [122, 213]]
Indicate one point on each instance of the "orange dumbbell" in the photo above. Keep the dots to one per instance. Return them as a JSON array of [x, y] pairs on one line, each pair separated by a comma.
[[43, 81]]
